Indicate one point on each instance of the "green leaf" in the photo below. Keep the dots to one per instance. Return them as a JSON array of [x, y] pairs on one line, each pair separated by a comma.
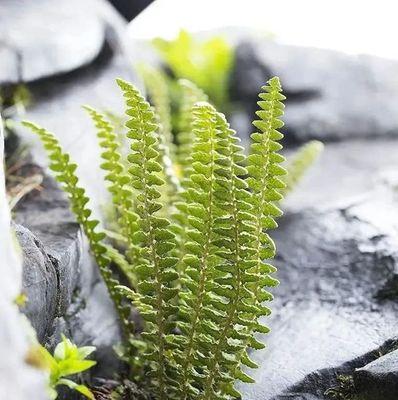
[[83, 389]]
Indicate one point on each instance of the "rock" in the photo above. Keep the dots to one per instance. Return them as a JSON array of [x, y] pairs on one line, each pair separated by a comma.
[[9, 66], [44, 38], [46, 214], [18, 380], [65, 292], [331, 96], [328, 317], [130, 9], [91, 320], [58, 107], [378, 380], [40, 283], [342, 174], [83, 309]]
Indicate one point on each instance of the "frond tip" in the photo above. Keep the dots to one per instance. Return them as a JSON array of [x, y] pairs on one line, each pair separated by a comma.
[[301, 161]]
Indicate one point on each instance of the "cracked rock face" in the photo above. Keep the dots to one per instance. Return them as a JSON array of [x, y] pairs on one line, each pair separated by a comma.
[[40, 283], [65, 293], [43, 38], [331, 96]]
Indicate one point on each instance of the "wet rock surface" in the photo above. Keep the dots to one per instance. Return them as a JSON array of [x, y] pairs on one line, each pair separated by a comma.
[[331, 96], [378, 380], [44, 38], [335, 309]]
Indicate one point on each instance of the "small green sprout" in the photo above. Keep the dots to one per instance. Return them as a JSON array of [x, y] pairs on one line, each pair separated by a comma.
[[68, 359]]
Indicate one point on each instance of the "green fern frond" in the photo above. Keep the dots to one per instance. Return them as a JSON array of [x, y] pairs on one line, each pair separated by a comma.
[[157, 273], [157, 87], [64, 170], [265, 182], [200, 258], [206, 63], [232, 294], [190, 94], [301, 161], [118, 179]]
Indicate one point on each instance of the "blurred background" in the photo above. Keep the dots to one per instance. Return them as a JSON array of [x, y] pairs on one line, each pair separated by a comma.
[[353, 26]]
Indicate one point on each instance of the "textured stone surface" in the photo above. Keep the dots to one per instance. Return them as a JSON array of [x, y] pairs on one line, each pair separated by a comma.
[[329, 317], [44, 37], [331, 96], [378, 380], [346, 170], [18, 380], [65, 292], [40, 283], [337, 259]]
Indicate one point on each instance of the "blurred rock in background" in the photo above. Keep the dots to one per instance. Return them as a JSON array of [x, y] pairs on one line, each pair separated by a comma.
[[130, 8]]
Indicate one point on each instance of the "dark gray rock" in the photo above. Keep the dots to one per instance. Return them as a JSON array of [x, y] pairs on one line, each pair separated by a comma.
[[18, 380], [378, 380], [40, 283], [130, 9], [328, 316], [64, 290], [44, 38], [58, 107], [331, 96], [46, 213], [346, 171]]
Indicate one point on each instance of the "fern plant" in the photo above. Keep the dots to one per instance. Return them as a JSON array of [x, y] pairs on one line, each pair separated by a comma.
[[195, 262]]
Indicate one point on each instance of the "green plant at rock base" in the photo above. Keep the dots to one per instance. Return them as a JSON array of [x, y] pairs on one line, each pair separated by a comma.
[[345, 389], [68, 359], [194, 261], [206, 63]]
